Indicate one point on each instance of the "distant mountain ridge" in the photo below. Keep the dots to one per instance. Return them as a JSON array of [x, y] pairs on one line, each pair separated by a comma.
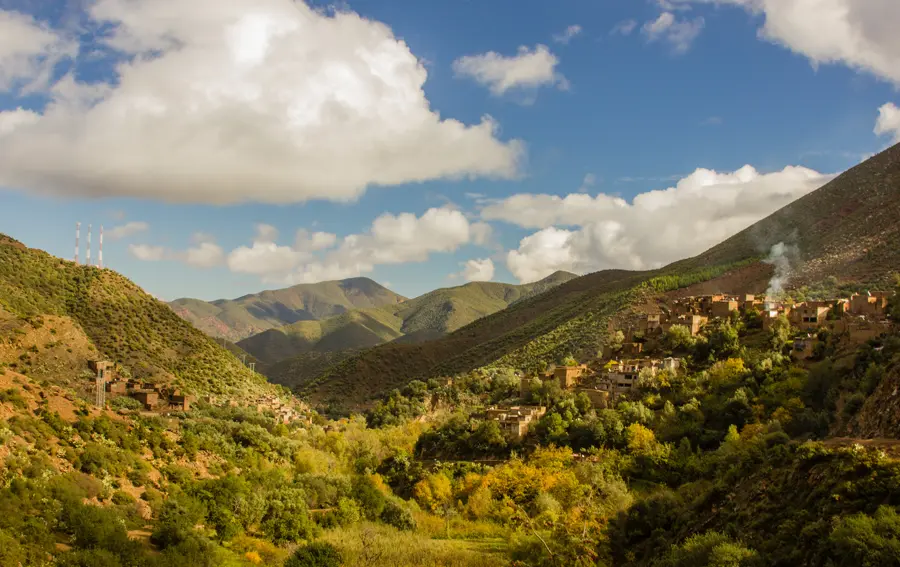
[[236, 319], [428, 316], [848, 229]]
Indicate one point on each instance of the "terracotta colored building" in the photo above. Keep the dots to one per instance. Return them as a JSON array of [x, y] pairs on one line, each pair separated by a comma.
[[810, 315], [147, 397], [515, 421], [568, 376], [871, 304]]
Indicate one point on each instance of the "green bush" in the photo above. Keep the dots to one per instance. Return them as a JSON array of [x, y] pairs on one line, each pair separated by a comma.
[[862, 540], [710, 549], [93, 527], [124, 402], [176, 522], [121, 498], [287, 518], [12, 396], [369, 497], [396, 515], [316, 554]]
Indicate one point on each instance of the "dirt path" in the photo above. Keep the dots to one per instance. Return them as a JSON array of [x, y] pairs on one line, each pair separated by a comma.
[[889, 446]]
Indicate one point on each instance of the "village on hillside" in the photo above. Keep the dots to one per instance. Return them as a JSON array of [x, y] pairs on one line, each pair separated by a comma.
[[110, 384], [625, 363], [617, 372]]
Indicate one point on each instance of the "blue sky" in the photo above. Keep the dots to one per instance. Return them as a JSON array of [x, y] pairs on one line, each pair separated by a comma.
[[105, 120]]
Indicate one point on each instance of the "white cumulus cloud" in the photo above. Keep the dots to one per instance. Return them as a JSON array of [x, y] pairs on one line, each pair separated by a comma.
[[656, 228], [391, 239], [527, 69], [680, 34], [478, 270], [147, 253], [858, 33], [541, 254], [126, 230], [888, 123], [28, 51], [225, 101], [265, 257], [204, 254]]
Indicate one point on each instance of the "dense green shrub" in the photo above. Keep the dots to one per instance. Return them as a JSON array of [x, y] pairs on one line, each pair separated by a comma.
[[125, 402], [287, 518], [861, 540], [315, 554], [176, 521], [711, 549], [398, 516], [370, 498]]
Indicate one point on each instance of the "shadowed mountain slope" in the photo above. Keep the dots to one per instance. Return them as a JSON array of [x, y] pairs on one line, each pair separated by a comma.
[[847, 229]]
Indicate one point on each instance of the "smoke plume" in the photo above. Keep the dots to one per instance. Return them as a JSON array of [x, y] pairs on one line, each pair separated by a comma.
[[779, 257]]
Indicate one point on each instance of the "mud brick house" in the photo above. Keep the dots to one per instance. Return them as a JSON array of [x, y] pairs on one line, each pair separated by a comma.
[[870, 304], [804, 347], [810, 315], [692, 321], [652, 324], [723, 308], [180, 402], [119, 387], [150, 398], [569, 376], [621, 376], [599, 398], [515, 421]]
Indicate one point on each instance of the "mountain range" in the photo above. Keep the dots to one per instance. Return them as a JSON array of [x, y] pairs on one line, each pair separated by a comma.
[[426, 317], [236, 319]]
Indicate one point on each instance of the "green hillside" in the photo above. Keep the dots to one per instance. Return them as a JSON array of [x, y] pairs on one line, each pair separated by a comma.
[[118, 321], [425, 317], [847, 229], [240, 318]]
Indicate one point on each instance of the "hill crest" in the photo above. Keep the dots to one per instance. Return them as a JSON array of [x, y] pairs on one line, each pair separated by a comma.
[[236, 319], [428, 316], [56, 315]]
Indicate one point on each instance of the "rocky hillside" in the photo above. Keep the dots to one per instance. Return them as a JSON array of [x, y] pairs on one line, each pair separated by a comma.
[[56, 315], [235, 319], [426, 317], [847, 229]]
